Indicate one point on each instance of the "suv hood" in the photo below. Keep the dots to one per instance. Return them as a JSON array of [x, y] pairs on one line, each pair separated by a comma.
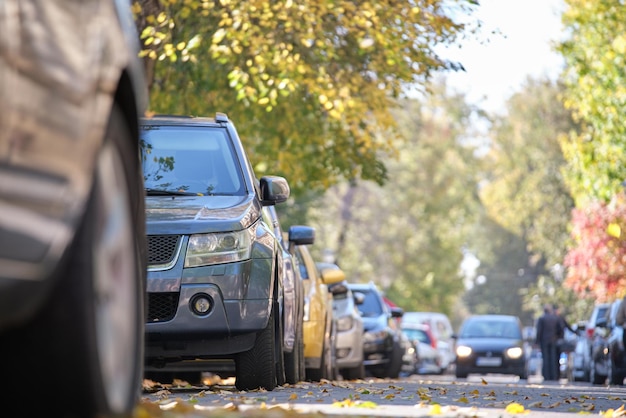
[[199, 214]]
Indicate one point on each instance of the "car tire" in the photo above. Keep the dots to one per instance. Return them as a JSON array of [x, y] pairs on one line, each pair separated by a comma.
[[594, 377], [89, 335], [395, 361], [353, 373], [278, 346], [256, 368]]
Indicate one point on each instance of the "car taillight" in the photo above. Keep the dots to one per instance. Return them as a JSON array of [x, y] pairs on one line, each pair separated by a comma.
[[589, 332]]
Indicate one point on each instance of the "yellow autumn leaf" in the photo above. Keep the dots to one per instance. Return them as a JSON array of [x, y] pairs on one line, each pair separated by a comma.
[[614, 230], [293, 396], [435, 409], [462, 399], [483, 381], [515, 408]]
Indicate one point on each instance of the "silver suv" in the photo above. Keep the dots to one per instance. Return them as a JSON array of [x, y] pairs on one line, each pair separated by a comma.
[[215, 288]]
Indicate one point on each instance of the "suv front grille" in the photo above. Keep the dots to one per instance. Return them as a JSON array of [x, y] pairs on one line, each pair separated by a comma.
[[162, 249], [162, 306]]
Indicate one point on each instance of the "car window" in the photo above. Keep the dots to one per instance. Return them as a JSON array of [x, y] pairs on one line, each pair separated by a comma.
[[417, 334], [200, 161], [490, 329], [371, 305]]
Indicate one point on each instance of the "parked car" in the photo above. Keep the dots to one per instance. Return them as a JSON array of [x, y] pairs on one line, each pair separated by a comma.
[[596, 334], [349, 341], [615, 345], [442, 331], [428, 357], [382, 349], [491, 344], [319, 327], [293, 311], [215, 280], [72, 238]]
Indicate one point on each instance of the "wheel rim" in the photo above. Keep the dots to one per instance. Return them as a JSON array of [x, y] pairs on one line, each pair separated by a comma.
[[115, 274]]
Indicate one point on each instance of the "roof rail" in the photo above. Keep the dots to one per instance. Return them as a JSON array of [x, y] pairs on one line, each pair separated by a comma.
[[221, 117]]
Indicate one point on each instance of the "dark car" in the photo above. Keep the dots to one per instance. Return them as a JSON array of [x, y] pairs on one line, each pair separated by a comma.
[[490, 344], [215, 280], [599, 360], [72, 238], [383, 348], [615, 344]]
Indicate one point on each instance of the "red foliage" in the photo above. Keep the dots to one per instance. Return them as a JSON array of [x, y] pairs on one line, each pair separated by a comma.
[[596, 266]]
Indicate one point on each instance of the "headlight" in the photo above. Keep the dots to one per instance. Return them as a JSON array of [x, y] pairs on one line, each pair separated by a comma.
[[207, 249], [463, 351], [345, 323], [514, 352]]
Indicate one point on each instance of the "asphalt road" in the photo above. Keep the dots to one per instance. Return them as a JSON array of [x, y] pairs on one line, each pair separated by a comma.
[[487, 396]]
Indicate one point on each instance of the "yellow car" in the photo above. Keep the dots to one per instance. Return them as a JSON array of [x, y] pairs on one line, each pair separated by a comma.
[[318, 325]]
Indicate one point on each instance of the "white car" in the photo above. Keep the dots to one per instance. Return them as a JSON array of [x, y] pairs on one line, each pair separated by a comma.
[[429, 358], [349, 324], [441, 329]]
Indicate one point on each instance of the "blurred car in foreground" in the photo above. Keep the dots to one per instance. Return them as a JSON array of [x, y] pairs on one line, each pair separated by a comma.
[[216, 294], [491, 344], [349, 324], [72, 237], [428, 357], [383, 349], [319, 328]]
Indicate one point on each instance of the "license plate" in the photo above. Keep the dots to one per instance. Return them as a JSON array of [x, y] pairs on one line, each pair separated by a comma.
[[489, 361]]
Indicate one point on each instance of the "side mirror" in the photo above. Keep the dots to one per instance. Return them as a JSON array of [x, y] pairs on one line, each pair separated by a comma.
[[397, 312], [338, 289], [332, 276], [359, 298]]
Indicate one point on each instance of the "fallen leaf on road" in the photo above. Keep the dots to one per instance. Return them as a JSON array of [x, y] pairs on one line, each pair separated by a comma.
[[516, 408]]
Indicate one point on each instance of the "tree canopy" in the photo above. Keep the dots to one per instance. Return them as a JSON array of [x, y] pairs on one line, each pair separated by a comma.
[[309, 84], [595, 75]]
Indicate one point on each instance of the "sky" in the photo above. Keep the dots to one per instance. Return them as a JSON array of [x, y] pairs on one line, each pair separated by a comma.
[[495, 70]]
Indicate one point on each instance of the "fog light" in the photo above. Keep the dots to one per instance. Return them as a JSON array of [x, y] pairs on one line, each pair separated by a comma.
[[343, 352], [201, 304]]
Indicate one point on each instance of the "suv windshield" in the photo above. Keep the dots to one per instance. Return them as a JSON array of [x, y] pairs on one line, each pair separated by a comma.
[[190, 161], [371, 305]]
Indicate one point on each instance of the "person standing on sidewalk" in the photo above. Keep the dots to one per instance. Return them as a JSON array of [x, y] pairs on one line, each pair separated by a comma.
[[548, 331]]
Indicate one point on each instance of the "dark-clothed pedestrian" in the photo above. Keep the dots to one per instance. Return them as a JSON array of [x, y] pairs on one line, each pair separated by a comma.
[[548, 331], [562, 345]]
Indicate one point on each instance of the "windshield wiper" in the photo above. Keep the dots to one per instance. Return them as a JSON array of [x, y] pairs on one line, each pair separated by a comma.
[[161, 192]]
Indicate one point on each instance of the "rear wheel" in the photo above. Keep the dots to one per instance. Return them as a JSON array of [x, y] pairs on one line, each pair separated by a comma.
[[91, 327]]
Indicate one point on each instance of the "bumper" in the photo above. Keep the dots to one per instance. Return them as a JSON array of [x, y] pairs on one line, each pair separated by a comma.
[[349, 348], [240, 305]]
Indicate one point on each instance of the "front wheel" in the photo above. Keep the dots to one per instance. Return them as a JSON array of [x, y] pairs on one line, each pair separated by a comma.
[[256, 368], [89, 335]]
